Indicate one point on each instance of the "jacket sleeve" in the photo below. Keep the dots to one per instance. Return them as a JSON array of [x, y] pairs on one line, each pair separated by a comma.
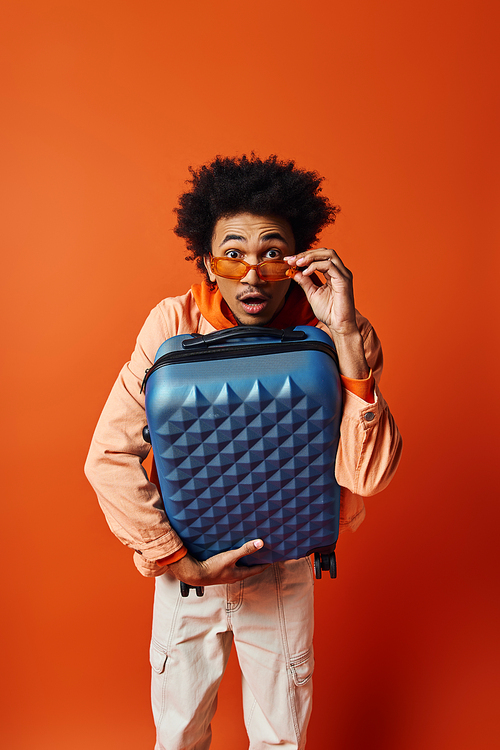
[[370, 444], [131, 503]]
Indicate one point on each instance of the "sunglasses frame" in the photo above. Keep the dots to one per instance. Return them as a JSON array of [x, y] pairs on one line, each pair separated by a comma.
[[289, 273]]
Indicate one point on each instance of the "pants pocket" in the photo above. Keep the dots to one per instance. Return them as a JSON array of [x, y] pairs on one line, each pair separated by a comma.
[[157, 657], [302, 667]]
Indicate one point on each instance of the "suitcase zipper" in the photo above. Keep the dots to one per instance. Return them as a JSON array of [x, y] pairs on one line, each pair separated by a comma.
[[234, 352]]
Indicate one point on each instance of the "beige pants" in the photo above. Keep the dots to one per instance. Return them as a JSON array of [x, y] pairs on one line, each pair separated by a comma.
[[270, 619]]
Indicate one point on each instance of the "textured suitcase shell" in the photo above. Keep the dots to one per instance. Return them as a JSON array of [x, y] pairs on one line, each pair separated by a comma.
[[246, 448]]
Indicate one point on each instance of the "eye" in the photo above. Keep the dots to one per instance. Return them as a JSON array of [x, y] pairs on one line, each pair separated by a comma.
[[273, 253], [232, 254]]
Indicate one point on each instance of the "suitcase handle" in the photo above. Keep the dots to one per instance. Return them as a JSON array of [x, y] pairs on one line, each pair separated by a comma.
[[217, 337]]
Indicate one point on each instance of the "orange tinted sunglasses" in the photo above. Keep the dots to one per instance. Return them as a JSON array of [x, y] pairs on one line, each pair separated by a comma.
[[267, 270]]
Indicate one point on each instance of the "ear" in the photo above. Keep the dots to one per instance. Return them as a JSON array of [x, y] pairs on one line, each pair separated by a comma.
[[206, 261]]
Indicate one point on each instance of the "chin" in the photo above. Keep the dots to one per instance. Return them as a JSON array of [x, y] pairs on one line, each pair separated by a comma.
[[250, 321]]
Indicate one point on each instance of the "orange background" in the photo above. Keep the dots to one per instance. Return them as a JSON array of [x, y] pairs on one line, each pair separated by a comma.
[[396, 104]]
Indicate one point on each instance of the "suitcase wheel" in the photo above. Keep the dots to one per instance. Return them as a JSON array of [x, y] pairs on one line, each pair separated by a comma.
[[325, 561], [333, 565], [317, 565], [184, 589], [145, 435]]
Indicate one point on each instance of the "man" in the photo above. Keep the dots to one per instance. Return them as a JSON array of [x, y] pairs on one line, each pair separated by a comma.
[[239, 215]]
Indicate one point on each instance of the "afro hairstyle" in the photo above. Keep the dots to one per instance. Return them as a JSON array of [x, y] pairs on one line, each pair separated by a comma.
[[270, 187]]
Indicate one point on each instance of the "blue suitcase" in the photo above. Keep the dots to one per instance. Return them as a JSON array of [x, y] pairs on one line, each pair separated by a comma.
[[244, 425]]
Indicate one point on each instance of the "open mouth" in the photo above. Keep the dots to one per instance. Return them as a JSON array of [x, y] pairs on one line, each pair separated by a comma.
[[254, 304]]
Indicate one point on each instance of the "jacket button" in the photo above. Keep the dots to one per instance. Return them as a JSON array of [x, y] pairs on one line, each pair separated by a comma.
[[369, 416]]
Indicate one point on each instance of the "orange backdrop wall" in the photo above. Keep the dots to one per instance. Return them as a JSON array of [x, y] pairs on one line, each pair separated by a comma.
[[396, 104]]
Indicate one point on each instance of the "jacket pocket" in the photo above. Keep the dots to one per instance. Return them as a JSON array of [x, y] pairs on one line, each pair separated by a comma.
[[302, 667], [157, 657]]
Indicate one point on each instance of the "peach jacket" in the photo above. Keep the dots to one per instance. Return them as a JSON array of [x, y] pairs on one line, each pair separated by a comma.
[[368, 453]]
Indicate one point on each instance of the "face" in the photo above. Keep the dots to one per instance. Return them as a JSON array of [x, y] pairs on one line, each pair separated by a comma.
[[252, 239]]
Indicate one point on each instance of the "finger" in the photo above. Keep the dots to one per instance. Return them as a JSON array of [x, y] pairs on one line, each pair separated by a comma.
[[309, 255], [231, 557], [318, 254], [247, 549], [222, 568], [306, 283], [325, 267]]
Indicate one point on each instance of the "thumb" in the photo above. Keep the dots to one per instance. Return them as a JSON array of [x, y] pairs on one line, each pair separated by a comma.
[[247, 549], [306, 282]]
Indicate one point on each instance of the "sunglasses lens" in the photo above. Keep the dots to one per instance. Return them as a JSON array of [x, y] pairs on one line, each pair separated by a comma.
[[230, 268], [274, 270]]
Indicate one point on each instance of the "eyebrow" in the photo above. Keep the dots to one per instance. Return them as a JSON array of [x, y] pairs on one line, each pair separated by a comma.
[[230, 237], [268, 236]]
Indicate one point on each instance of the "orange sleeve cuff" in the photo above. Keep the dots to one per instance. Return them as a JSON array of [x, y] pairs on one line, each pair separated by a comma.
[[364, 389], [177, 555]]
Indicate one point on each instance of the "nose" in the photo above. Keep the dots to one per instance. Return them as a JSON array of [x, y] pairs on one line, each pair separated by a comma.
[[252, 278]]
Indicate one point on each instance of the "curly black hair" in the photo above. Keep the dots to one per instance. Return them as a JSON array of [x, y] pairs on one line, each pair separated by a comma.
[[228, 186]]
